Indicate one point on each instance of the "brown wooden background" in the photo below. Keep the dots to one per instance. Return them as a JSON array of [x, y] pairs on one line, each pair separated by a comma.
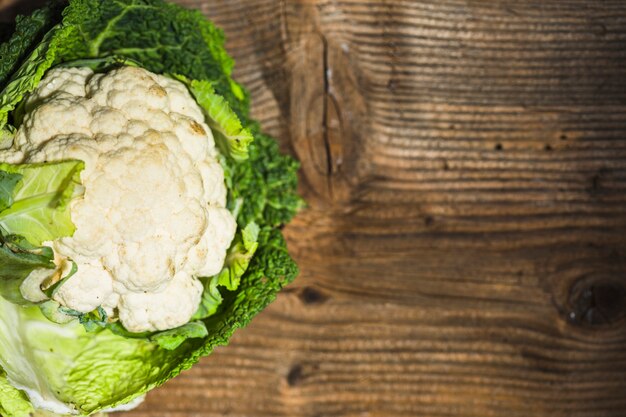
[[464, 253]]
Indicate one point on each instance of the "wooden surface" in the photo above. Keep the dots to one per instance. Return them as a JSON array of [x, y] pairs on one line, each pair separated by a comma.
[[464, 253]]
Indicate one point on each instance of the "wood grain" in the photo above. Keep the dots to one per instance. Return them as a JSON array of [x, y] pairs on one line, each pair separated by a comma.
[[464, 249]]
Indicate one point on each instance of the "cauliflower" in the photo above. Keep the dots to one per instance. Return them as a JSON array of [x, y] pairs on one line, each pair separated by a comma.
[[152, 178]]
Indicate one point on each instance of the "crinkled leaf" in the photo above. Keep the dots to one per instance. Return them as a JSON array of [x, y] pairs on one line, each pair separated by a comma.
[[118, 329], [211, 299], [28, 75], [28, 355], [231, 137], [100, 369], [28, 31], [162, 37], [64, 364], [13, 402], [239, 256], [263, 189]]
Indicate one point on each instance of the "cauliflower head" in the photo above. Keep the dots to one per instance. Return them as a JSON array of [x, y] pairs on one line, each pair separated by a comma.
[[153, 179]]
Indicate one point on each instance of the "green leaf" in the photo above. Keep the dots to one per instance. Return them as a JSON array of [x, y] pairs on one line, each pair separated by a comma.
[[26, 78], [93, 321], [238, 257], [28, 32], [40, 209], [171, 339], [52, 311], [64, 364], [263, 189], [160, 36], [36, 209], [18, 259], [231, 137], [13, 402], [110, 370], [211, 299], [20, 359], [8, 182], [270, 269]]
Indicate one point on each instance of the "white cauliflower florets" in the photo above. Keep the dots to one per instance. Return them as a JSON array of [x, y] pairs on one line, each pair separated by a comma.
[[152, 218]]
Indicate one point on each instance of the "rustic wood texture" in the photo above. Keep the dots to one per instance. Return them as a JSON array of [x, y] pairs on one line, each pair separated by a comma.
[[464, 249]]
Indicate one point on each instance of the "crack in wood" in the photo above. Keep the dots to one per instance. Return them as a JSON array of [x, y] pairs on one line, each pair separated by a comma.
[[325, 115]]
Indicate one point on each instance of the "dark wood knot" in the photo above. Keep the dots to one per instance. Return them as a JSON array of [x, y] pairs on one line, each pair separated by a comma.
[[310, 295], [597, 301], [295, 375]]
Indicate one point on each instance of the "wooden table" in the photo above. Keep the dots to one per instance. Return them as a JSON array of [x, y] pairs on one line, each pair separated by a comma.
[[464, 249]]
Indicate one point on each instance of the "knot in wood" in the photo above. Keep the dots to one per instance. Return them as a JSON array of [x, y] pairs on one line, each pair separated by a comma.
[[597, 301], [311, 295]]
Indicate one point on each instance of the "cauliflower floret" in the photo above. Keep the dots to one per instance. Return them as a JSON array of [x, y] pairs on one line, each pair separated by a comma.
[[152, 218], [108, 121], [180, 99], [69, 82], [206, 256], [162, 310], [213, 193], [192, 134], [71, 115], [86, 290]]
